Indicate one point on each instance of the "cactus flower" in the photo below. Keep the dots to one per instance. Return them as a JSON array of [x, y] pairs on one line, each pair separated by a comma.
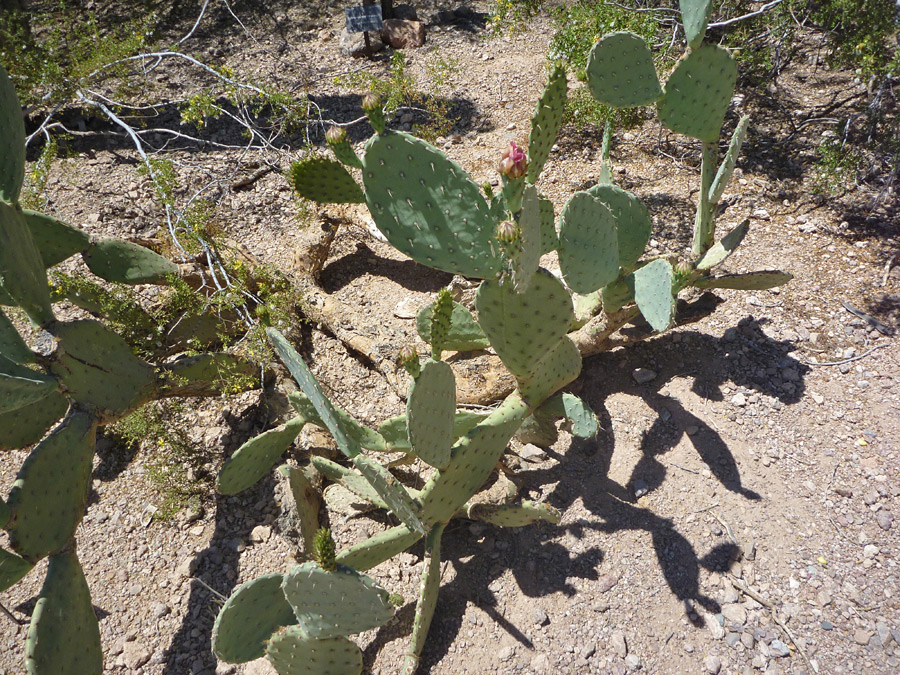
[[371, 102], [507, 232], [514, 163], [408, 358], [335, 135]]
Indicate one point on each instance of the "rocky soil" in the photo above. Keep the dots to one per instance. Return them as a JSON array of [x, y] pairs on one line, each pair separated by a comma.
[[736, 514]]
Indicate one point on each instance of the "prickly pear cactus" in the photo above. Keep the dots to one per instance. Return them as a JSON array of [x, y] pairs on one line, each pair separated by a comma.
[[92, 378], [430, 209]]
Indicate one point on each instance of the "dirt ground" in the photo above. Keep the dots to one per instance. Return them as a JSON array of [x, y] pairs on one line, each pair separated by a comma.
[[734, 514]]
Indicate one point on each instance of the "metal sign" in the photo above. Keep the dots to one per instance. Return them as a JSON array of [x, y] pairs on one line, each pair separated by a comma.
[[363, 18]]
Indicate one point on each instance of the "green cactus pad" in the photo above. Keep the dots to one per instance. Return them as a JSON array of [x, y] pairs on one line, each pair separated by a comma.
[[255, 458], [698, 93], [12, 346], [525, 264], [12, 141], [558, 367], [750, 281], [51, 489], [430, 411], [352, 481], [726, 168], [331, 604], [523, 327], [428, 207], [548, 116], [513, 515], [346, 442], [464, 334], [5, 514], [27, 425], [397, 438], [253, 612], [442, 309], [64, 637], [620, 71], [126, 263], [54, 239], [306, 501], [584, 421], [12, 567], [21, 386], [471, 462], [99, 369], [549, 237], [325, 181], [723, 248], [694, 16], [391, 491], [344, 153], [618, 294], [586, 306], [22, 271], [429, 587], [291, 652], [653, 293], [632, 220], [588, 245], [365, 437], [378, 548]]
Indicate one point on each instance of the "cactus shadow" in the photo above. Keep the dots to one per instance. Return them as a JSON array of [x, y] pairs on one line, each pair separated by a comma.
[[407, 273]]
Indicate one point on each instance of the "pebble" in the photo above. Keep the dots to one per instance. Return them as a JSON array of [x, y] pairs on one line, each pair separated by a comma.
[[159, 609], [532, 453], [260, 534], [406, 308], [739, 400], [732, 639], [135, 655], [505, 653], [633, 662], [640, 488], [617, 641], [827, 625], [861, 636], [540, 663], [606, 582], [713, 664], [884, 519], [735, 613], [870, 551], [884, 634], [715, 627], [777, 648], [643, 375], [539, 617]]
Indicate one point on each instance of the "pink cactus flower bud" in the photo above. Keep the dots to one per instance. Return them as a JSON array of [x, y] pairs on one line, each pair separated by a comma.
[[514, 163], [336, 135], [507, 232], [371, 102]]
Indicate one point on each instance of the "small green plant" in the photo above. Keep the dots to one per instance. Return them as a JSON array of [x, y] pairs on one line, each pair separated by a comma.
[[837, 169], [430, 209]]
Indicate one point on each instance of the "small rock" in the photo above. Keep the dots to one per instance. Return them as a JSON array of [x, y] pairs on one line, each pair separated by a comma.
[[606, 582], [643, 375], [540, 663], [861, 636], [587, 652], [159, 609], [732, 639], [884, 634], [713, 664], [827, 625], [718, 632], [640, 488], [539, 617], [823, 598], [532, 453], [260, 534], [692, 430], [617, 641], [506, 653], [735, 613], [354, 44], [633, 662], [778, 649], [406, 309], [187, 567], [739, 400], [134, 589], [870, 551], [403, 33], [884, 519], [135, 655], [747, 640]]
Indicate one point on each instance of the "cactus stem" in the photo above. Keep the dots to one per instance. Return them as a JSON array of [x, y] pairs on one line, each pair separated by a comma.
[[704, 225], [428, 594]]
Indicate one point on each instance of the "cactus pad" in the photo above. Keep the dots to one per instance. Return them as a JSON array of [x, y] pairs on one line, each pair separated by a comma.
[[12, 141], [723, 248], [64, 636], [28, 424], [12, 567], [55, 240], [513, 515], [430, 411], [750, 281], [126, 263], [397, 438], [545, 123], [558, 367], [620, 71], [523, 327], [22, 271], [291, 652], [653, 293], [391, 491], [525, 264], [256, 457], [325, 181], [428, 207], [549, 237], [618, 294], [378, 548], [306, 501], [726, 168], [248, 618], [698, 93], [99, 369], [464, 334], [349, 479], [51, 489], [588, 244], [694, 16], [632, 222], [12, 346], [21, 386], [364, 437], [330, 604], [584, 421]]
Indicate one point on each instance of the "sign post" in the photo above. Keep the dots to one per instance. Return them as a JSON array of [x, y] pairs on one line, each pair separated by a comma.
[[362, 19]]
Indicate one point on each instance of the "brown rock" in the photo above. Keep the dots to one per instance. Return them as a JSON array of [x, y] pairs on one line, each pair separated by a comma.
[[403, 34], [135, 655]]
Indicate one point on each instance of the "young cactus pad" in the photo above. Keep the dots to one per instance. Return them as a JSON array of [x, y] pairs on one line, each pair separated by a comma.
[[620, 71], [12, 141], [291, 652]]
